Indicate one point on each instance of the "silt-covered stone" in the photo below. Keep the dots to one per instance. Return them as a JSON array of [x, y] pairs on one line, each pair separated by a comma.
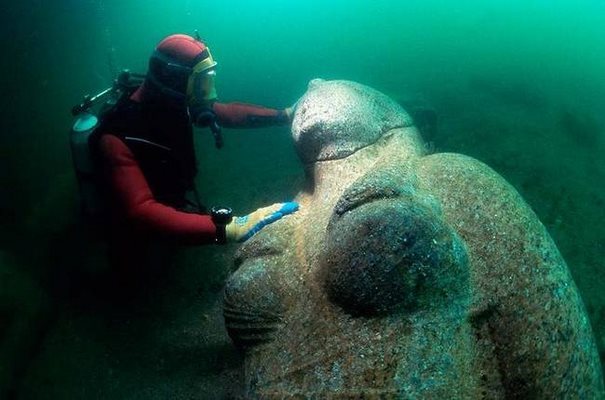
[[404, 274]]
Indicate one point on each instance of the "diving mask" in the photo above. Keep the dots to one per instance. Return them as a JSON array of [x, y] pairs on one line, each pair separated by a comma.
[[201, 92], [201, 87]]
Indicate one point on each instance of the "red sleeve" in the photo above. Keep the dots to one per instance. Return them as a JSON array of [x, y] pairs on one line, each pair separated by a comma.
[[134, 197], [240, 115]]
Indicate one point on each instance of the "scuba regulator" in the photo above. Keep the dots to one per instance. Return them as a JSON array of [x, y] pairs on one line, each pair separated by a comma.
[[206, 117]]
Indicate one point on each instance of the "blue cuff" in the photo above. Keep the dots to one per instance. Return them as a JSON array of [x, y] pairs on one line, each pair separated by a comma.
[[287, 208]]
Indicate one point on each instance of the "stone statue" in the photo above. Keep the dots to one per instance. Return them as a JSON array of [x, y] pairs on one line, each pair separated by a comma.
[[404, 274]]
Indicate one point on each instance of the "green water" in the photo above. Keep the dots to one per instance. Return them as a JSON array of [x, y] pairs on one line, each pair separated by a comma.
[[516, 84]]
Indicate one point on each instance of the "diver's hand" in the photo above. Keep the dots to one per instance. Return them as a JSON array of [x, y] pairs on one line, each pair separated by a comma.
[[290, 113], [291, 110], [242, 228]]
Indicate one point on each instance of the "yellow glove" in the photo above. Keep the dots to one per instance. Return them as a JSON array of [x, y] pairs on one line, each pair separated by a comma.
[[290, 113], [243, 228], [291, 110]]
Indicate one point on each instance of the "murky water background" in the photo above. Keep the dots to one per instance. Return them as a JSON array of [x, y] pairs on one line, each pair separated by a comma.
[[518, 85]]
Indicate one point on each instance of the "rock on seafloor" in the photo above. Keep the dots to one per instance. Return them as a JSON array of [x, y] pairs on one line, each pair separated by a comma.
[[404, 274]]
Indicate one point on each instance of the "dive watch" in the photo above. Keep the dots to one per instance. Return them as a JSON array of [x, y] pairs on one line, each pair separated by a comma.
[[221, 216]]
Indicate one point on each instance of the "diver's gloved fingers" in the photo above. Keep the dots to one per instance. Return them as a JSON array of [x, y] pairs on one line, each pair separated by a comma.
[[290, 111], [289, 207], [243, 228], [250, 233]]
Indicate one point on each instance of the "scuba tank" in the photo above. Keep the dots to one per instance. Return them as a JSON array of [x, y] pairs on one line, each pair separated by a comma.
[[92, 203], [90, 200], [87, 121]]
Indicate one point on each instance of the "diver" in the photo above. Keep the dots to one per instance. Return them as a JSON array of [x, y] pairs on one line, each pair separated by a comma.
[[144, 151]]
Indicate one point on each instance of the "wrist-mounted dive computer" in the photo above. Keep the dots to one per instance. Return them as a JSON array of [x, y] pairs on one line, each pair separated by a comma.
[[221, 216]]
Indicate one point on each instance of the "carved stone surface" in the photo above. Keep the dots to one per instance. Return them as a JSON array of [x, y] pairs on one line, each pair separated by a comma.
[[404, 274]]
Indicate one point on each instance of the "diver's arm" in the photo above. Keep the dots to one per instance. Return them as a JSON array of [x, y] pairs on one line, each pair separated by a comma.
[[137, 204], [241, 115]]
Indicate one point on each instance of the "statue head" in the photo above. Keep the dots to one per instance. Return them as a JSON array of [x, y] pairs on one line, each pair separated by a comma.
[[334, 119]]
